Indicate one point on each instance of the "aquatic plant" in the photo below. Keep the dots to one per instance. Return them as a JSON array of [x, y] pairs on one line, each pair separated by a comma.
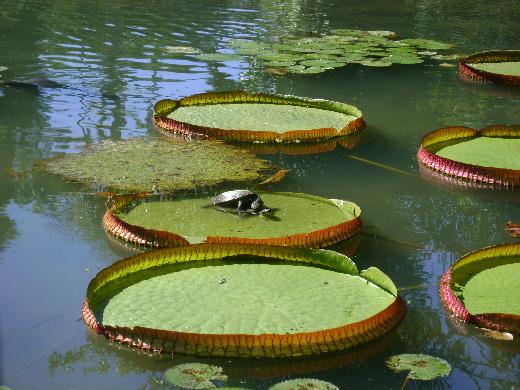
[[294, 309], [194, 375], [310, 55], [297, 220], [303, 384], [247, 117], [159, 164], [420, 366], [498, 66], [487, 157], [482, 288]]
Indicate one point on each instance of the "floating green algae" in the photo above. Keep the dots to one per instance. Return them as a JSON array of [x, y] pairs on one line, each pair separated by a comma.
[[158, 164], [193, 219], [485, 151], [246, 299], [494, 290], [255, 116], [508, 68]]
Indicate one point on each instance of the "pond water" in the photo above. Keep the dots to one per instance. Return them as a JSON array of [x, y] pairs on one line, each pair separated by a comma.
[[111, 58]]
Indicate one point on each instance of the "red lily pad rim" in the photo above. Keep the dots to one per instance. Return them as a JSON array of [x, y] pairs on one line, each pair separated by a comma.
[[495, 321], [490, 177], [140, 235], [469, 73], [244, 345], [166, 106]]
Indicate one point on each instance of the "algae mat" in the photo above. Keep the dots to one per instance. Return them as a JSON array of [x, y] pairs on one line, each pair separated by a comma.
[[261, 117], [485, 151], [153, 164], [195, 219], [247, 299]]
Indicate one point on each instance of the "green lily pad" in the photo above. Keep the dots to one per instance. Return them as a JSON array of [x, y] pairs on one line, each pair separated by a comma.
[[148, 164], [509, 68], [303, 384], [375, 63], [181, 50], [199, 299], [485, 151], [219, 57], [426, 43], [196, 218], [194, 375], [422, 367], [261, 117]]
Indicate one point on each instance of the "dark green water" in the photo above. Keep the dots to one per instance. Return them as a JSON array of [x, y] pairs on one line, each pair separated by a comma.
[[111, 56]]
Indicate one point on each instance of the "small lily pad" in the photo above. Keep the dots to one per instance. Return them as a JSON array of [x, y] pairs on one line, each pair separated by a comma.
[[194, 375], [426, 43], [181, 50], [422, 367], [304, 384], [219, 57], [3, 68]]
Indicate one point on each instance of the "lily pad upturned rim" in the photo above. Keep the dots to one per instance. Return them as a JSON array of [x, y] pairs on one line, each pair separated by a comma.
[[166, 106], [142, 236], [469, 73], [496, 321], [244, 345], [479, 176]]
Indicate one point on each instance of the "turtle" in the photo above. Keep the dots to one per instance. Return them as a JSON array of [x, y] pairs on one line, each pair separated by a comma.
[[240, 201]]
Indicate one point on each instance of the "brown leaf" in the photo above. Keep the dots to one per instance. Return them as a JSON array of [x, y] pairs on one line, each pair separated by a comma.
[[513, 229]]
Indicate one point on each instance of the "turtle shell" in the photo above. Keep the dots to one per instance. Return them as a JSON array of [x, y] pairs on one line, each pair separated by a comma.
[[230, 198]]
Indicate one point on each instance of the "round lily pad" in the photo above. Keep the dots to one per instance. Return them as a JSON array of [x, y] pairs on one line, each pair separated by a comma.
[[492, 66], [295, 219], [482, 287], [194, 375], [304, 384], [420, 366], [158, 164], [246, 117], [488, 157], [219, 57], [240, 300]]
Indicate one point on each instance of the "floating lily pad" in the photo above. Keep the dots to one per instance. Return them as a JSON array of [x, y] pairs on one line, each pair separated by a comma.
[[219, 57], [147, 164], [181, 50], [320, 53], [3, 68], [241, 116], [194, 375], [304, 301], [422, 367], [482, 287], [303, 384], [492, 66], [163, 222], [487, 157]]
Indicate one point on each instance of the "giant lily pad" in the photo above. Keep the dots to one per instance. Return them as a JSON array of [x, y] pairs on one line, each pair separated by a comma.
[[488, 157], [245, 117], [492, 66], [482, 288], [298, 220], [151, 164], [217, 300]]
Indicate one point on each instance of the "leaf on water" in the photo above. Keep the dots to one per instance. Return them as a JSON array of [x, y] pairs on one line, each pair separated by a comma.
[[303, 384], [495, 334], [219, 57], [194, 375], [513, 229], [422, 367], [181, 50]]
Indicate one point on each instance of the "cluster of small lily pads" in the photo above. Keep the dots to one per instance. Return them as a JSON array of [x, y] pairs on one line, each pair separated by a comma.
[[206, 376], [341, 47]]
